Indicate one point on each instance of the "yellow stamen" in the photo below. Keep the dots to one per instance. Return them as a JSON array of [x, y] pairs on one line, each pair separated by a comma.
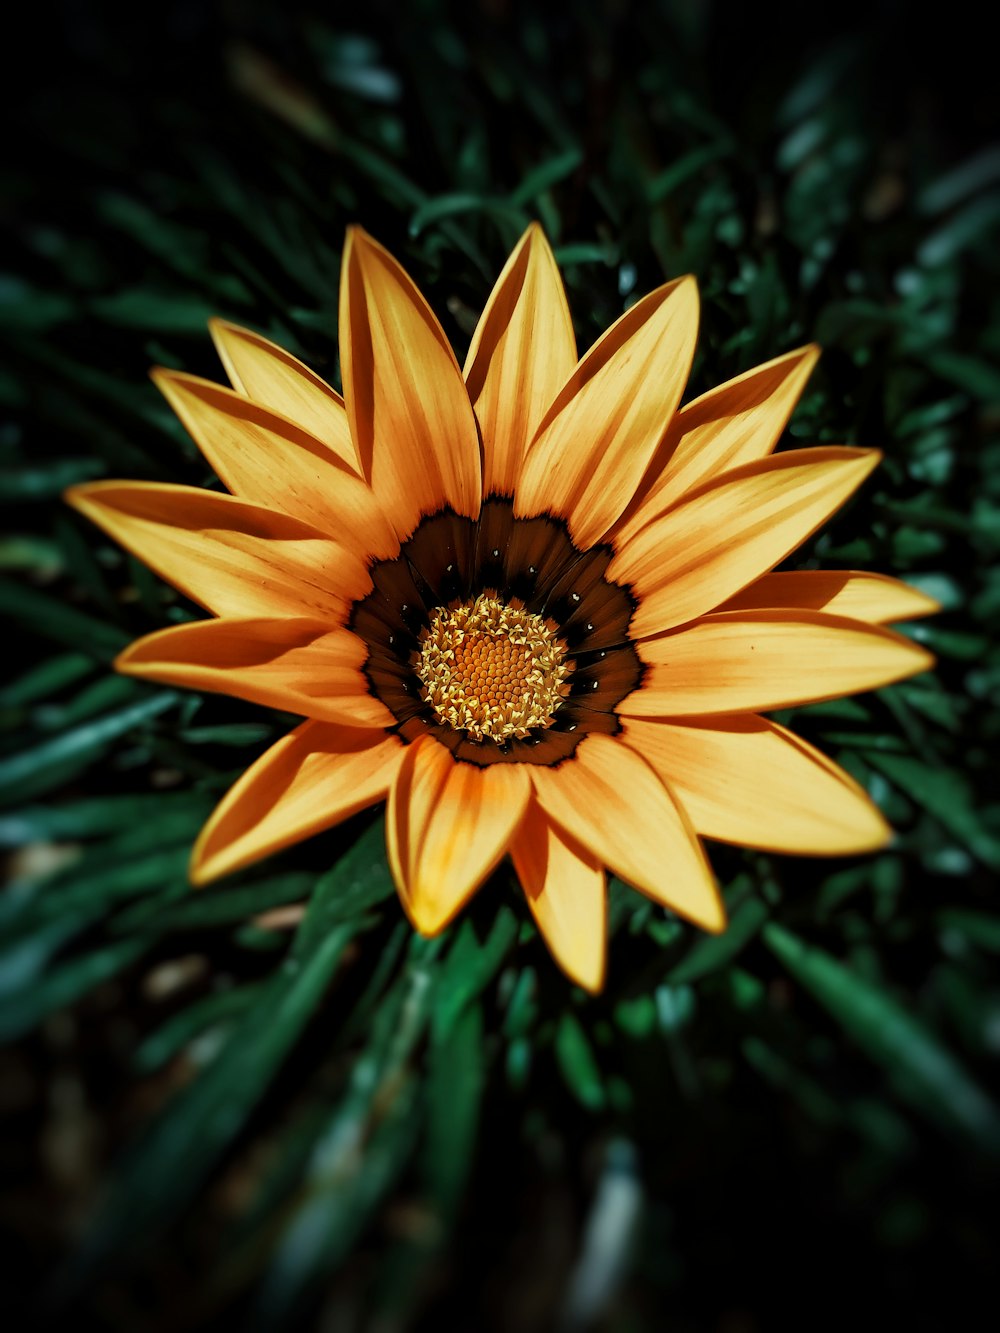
[[492, 670]]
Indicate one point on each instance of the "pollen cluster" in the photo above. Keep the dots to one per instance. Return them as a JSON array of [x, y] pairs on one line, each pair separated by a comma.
[[492, 670]]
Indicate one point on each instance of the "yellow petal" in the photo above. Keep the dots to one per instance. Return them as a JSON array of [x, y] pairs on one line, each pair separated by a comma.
[[596, 440], [745, 780], [522, 353], [612, 802], [410, 415], [736, 423], [271, 460], [874, 598], [749, 660], [565, 889], [447, 826], [311, 780], [269, 375], [231, 557], [299, 666], [732, 530]]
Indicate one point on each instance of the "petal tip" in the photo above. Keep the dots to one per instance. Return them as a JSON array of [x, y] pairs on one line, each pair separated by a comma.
[[802, 362], [591, 982], [684, 288], [926, 605], [202, 872], [81, 496], [536, 238], [687, 296], [164, 378], [716, 922], [710, 916], [425, 918], [223, 332], [356, 238], [124, 663], [884, 835]]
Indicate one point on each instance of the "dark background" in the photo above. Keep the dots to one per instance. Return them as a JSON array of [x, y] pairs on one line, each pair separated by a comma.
[[788, 1128]]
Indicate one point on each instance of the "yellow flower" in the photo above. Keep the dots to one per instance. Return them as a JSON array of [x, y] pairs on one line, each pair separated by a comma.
[[530, 607]]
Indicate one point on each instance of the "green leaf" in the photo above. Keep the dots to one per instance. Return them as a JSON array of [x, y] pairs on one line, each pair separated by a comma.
[[956, 184], [23, 958], [30, 484], [366, 1144], [163, 1171], [454, 1089], [93, 817], [359, 881], [237, 734], [972, 223], [166, 312], [221, 1008], [923, 1070], [55, 620], [815, 1100], [85, 892], [107, 692], [218, 904], [27, 309], [452, 205], [346, 1187], [946, 796], [43, 767], [545, 175], [470, 966], [25, 1007], [359, 1019], [712, 952], [691, 164], [971, 373], [45, 679], [982, 929], [578, 1064]]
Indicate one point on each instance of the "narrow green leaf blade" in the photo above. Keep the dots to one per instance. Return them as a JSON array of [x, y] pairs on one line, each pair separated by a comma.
[[925, 1072]]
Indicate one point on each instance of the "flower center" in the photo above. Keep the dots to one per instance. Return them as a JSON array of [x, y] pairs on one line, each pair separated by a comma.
[[492, 669]]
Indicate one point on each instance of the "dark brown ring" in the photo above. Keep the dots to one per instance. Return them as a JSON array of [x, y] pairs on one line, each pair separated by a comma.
[[450, 559]]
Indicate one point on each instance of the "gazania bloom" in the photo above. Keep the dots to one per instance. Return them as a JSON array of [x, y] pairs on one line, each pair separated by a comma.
[[529, 606]]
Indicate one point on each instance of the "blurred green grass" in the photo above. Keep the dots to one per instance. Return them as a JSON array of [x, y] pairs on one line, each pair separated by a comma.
[[216, 1118]]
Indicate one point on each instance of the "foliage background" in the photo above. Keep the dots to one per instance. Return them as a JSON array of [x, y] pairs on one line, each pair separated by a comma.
[[213, 1115]]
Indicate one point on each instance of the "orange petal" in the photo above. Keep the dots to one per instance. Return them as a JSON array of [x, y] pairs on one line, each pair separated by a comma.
[[612, 802], [522, 352], [411, 418], [874, 598], [733, 530], [738, 661], [596, 440], [272, 461], [565, 889], [311, 780], [232, 557], [746, 780], [268, 374], [447, 826], [300, 666], [736, 423]]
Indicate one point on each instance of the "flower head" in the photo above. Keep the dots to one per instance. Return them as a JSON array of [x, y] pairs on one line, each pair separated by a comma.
[[530, 606]]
